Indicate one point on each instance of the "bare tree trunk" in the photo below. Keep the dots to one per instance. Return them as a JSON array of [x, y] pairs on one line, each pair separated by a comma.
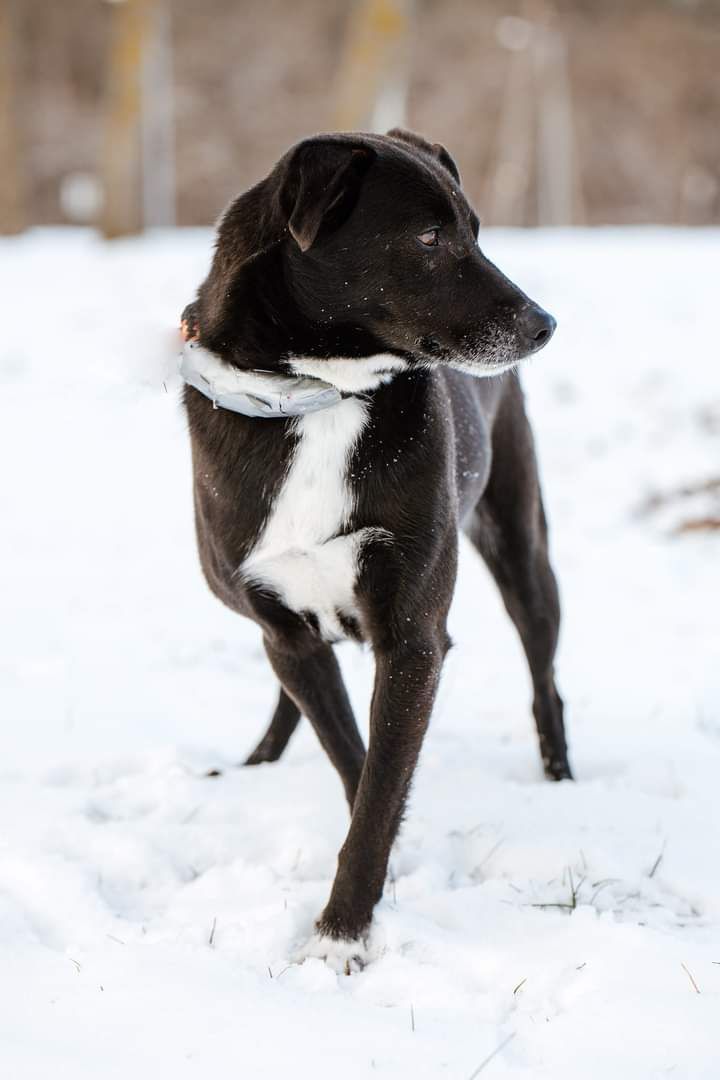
[[139, 160], [508, 196], [12, 201], [374, 69], [558, 182], [158, 135]]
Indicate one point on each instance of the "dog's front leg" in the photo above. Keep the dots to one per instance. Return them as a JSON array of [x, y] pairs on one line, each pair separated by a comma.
[[406, 680]]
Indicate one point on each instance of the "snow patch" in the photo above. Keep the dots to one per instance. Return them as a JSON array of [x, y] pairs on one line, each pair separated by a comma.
[[138, 895]]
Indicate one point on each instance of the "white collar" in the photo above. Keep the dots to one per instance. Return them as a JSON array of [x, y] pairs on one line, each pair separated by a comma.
[[267, 394]]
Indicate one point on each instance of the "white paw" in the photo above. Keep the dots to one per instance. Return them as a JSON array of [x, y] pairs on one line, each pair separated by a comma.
[[343, 956]]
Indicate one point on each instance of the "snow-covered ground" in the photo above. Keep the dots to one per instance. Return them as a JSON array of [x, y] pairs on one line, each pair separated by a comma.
[[149, 916]]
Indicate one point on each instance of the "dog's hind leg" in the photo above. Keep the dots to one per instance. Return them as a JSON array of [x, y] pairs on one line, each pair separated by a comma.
[[285, 719], [312, 680], [509, 530]]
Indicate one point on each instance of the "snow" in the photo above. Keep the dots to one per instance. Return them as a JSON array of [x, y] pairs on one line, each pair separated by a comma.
[[150, 917]]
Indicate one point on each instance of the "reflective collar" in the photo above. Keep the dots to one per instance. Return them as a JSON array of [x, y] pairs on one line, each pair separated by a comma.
[[268, 394]]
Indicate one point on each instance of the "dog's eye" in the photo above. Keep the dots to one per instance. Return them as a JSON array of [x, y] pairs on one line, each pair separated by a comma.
[[430, 238]]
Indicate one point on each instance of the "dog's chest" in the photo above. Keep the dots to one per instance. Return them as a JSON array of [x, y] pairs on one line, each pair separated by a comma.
[[304, 553]]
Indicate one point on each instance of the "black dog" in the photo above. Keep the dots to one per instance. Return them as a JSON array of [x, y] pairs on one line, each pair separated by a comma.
[[356, 262]]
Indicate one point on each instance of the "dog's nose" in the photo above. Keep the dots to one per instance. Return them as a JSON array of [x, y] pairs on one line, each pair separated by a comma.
[[536, 326]]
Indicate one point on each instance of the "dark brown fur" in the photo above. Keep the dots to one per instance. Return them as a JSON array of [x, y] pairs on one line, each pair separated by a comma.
[[321, 259]]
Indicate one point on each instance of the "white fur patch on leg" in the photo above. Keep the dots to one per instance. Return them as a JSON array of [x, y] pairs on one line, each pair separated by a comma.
[[344, 957]]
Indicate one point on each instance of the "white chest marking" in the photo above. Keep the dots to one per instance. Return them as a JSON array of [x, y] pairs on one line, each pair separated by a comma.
[[302, 553]]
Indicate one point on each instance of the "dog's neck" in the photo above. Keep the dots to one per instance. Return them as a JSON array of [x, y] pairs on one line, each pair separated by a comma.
[[309, 385]]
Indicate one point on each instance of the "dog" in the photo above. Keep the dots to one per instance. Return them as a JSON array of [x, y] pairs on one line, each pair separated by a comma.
[[354, 334]]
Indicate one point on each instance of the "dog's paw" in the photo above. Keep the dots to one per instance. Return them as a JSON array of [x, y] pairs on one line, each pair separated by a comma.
[[263, 754], [343, 956], [557, 769]]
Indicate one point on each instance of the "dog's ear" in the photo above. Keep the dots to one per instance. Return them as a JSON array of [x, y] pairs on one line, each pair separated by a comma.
[[321, 185], [436, 150], [446, 159]]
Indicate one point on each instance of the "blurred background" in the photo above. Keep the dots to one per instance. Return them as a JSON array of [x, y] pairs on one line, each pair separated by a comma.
[[155, 112], [125, 679]]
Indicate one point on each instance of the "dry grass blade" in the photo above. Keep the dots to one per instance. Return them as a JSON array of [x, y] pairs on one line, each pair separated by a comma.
[[686, 491], [700, 524], [495, 1053], [211, 939], [558, 904], [575, 889], [572, 902], [393, 883], [600, 885], [689, 975], [657, 862], [489, 855]]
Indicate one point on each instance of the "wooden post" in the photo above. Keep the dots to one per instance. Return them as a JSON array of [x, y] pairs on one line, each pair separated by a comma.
[[12, 202], [138, 168], [121, 166], [158, 133], [374, 70], [559, 193], [536, 116], [508, 196]]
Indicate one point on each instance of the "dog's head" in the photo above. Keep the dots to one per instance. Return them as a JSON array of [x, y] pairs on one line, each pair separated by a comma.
[[379, 254]]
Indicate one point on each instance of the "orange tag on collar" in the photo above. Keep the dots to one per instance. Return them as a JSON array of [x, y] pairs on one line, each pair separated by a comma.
[[185, 331]]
